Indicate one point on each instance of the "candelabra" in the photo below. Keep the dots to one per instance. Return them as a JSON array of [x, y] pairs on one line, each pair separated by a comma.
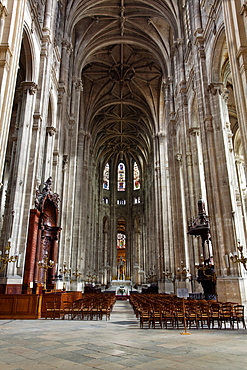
[[91, 277], [151, 277], [76, 274], [45, 265], [183, 271], [207, 268], [66, 274], [65, 270], [168, 275], [7, 259], [236, 259]]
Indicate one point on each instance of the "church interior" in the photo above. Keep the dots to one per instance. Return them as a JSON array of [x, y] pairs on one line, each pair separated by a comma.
[[122, 151]]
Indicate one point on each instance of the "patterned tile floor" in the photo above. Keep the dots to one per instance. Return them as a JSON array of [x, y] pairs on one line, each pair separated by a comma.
[[117, 344]]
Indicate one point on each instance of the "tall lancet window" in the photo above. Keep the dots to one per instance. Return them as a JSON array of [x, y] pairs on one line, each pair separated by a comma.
[[121, 185], [121, 241], [106, 177], [136, 175]]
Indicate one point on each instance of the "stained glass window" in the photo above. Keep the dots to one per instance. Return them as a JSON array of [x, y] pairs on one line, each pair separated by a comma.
[[121, 241], [121, 177], [106, 177], [136, 174]]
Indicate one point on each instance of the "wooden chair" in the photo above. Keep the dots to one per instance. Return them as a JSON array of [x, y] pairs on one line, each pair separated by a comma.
[[105, 310], [238, 316], [192, 316], [156, 317], [75, 310], [50, 309], [86, 310], [66, 310], [179, 316], [226, 315], [95, 311], [204, 315], [168, 317], [215, 310], [145, 317]]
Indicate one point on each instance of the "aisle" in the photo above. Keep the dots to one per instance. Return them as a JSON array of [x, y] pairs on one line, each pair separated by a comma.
[[123, 314], [116, 344]]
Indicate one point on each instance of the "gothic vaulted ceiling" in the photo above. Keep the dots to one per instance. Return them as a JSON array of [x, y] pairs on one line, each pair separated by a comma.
[[121, 51]]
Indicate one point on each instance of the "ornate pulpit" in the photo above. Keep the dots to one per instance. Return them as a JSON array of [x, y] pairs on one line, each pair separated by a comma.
[[42, 240], [200, 226]]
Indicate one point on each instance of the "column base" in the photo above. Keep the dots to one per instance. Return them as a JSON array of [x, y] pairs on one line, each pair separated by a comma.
[[11, 285], [231, 289]]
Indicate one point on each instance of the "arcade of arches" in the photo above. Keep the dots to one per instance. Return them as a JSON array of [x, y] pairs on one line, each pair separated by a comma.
[[123, 144]]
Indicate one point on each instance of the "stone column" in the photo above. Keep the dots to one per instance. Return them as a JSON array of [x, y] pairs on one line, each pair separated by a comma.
[[18, 181], [241, 198], [3, 15], [11, 37], [235, 24], [216, 176], [243, 12]]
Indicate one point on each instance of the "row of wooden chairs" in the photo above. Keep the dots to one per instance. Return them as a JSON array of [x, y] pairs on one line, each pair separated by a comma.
[[165, 311], [90, 306]]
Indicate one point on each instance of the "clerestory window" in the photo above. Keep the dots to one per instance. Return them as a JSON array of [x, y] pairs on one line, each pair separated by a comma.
[[136, 176], [106, 177], [121, 177]]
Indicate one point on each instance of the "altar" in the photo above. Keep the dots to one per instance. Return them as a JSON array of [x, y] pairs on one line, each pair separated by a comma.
[[122, 288]]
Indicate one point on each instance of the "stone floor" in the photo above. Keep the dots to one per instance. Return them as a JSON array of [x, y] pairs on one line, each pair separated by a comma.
[[117, 344]]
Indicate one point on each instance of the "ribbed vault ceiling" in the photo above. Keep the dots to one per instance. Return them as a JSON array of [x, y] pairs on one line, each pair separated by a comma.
[[121, 52]]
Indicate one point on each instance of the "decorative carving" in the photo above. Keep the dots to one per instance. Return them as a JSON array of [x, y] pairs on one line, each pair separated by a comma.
[[5, 55], [30, 86], [68, 46], [79, 85], [189, 158], [178, 158], [45, 194], [50, 130], [37, 119], [61, 92], [208, 123], [244, 8], [3, 11], [55, 157], [161, 135], [200, 46], [225, 94], [215, 87], [65, 162], [195, 131]]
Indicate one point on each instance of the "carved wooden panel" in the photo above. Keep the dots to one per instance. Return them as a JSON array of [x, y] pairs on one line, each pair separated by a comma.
[[20, 306]]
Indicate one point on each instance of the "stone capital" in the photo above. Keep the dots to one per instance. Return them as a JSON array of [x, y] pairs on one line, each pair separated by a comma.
[[29, 86], [189, 158], [67, 46], [208, 122], [161, 135], [195, 131], [178, 158], [78, 85], [51, 130], [243, 10], [65, 162], [37, 119], [215, 87], [199, 42], [3, 11], [5, 55]]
